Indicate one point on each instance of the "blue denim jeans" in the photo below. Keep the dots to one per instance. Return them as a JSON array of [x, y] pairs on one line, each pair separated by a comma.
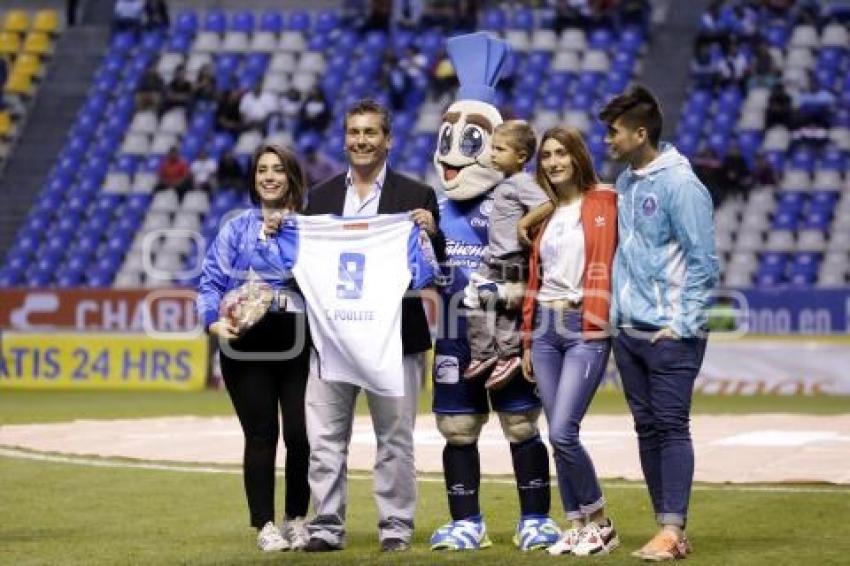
[[658, 380], [568, 370]]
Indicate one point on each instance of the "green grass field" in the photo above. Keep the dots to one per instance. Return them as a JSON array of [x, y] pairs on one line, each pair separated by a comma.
[[41, 406], [73, 513]]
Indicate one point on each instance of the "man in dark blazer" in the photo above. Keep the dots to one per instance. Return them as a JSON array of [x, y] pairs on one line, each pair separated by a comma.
[[370, 187]]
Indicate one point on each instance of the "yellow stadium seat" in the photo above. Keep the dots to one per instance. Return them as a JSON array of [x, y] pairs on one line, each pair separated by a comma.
[[28, 64], [17, 21], [19, 84], [37, 42], [5, 124], [10, 43], [46, 21]]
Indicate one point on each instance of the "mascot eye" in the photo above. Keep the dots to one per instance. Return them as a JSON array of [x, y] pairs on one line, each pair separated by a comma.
[[472, 141], [446, 139]]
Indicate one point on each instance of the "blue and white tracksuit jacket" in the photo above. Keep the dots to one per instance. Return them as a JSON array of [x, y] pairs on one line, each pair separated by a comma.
[[666, 265]]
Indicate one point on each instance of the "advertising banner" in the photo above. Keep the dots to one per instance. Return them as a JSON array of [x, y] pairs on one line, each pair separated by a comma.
[[123, 310], [102, 361]]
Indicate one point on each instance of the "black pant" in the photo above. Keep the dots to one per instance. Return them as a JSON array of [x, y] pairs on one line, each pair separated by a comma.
[[259, 390]]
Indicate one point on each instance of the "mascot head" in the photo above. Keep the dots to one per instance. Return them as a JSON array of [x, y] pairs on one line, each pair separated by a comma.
[[463, 151]]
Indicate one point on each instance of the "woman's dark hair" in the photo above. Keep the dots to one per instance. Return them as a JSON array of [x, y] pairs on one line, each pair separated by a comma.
[[294, 198], [573, 142]]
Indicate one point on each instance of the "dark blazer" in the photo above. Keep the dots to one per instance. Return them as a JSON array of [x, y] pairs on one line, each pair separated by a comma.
[[399, 194]]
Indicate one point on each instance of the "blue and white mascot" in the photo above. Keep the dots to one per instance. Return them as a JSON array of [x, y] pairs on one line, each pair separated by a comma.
[[462, 406]]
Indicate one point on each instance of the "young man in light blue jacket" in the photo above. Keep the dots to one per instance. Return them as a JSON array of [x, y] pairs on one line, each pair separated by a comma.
[[664, 270]]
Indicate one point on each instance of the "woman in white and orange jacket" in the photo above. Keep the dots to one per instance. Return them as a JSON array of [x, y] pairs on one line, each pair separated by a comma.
[[565, 325]]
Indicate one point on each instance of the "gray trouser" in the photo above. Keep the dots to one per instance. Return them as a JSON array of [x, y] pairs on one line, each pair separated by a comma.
[[330, 415], [493, 330]]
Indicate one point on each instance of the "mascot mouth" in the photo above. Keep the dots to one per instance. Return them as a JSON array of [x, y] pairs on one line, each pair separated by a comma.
[[451, 171]]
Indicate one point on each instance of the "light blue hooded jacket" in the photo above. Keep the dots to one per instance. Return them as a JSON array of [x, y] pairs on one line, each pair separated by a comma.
[[666, 265]]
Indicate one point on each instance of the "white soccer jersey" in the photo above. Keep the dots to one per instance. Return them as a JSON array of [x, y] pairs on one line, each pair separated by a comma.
[[353, 273]]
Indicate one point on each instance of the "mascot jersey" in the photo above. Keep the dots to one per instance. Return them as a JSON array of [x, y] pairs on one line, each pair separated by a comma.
[[353, 274]]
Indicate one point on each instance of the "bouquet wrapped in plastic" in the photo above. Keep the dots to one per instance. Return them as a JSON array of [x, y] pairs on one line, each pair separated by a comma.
[[244, 306]]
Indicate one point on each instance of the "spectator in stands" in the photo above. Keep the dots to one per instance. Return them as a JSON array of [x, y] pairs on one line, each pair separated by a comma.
[[711, 27], [149, 91], [255, 107], [441, 14], [635, 12], [736, 178], [396, 81], [378, 16], [315, 112], [71, 7], [444, 79], [704, 69], [763, 70], [203, 170], [266, 365], [763, 172], [4, 75], [128, 15], [735, 66], [227, 117], [318, 167], [156, 15], [289, 113], [206, 89], [407, 14], [229, 174], [778, 111], [179, 92], [174, 173], [571, 14], [707, 166]]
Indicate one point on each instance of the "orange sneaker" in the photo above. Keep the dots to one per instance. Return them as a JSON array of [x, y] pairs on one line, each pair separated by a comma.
[[664, 546]]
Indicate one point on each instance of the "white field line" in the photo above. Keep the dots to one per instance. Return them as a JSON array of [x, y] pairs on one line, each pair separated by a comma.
[[137, 465]]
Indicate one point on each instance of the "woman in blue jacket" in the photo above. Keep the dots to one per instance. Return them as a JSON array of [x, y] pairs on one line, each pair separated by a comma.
[[265, 366]]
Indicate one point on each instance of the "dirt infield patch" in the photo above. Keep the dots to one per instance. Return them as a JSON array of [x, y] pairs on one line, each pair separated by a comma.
[[738, 449]]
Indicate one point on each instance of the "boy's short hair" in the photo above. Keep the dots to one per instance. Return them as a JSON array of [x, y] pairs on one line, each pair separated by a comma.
[[637, 108], [520, 136]]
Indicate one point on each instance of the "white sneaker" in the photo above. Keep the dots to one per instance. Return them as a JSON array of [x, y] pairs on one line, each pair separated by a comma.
[[597, 539], [566, 543], [270, 540], [294, 531]]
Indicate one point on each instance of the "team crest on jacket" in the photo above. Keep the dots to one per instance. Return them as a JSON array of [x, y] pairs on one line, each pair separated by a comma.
[[649, 205]]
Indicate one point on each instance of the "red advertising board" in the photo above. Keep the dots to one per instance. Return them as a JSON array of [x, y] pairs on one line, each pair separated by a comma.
[[162, 310]]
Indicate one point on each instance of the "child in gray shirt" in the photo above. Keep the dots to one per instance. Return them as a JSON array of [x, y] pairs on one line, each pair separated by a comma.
[[497, 346]]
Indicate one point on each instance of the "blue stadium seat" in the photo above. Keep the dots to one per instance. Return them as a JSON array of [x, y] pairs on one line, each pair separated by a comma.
[[494, 19], [242, 20], [271, 20], [768, 280], [327, 21], [601, 38], [186, 22], [179, 43], [784, 221], [299, 20], [10, 277], [522, 19], [817, 220], [215, 20]]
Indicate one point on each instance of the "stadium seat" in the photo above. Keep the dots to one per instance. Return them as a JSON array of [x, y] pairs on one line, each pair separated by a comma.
[[37, 43], [46, 21]]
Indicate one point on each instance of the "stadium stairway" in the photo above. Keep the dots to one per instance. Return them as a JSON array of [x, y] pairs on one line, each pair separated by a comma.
[[77, 56], [666, 68]]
